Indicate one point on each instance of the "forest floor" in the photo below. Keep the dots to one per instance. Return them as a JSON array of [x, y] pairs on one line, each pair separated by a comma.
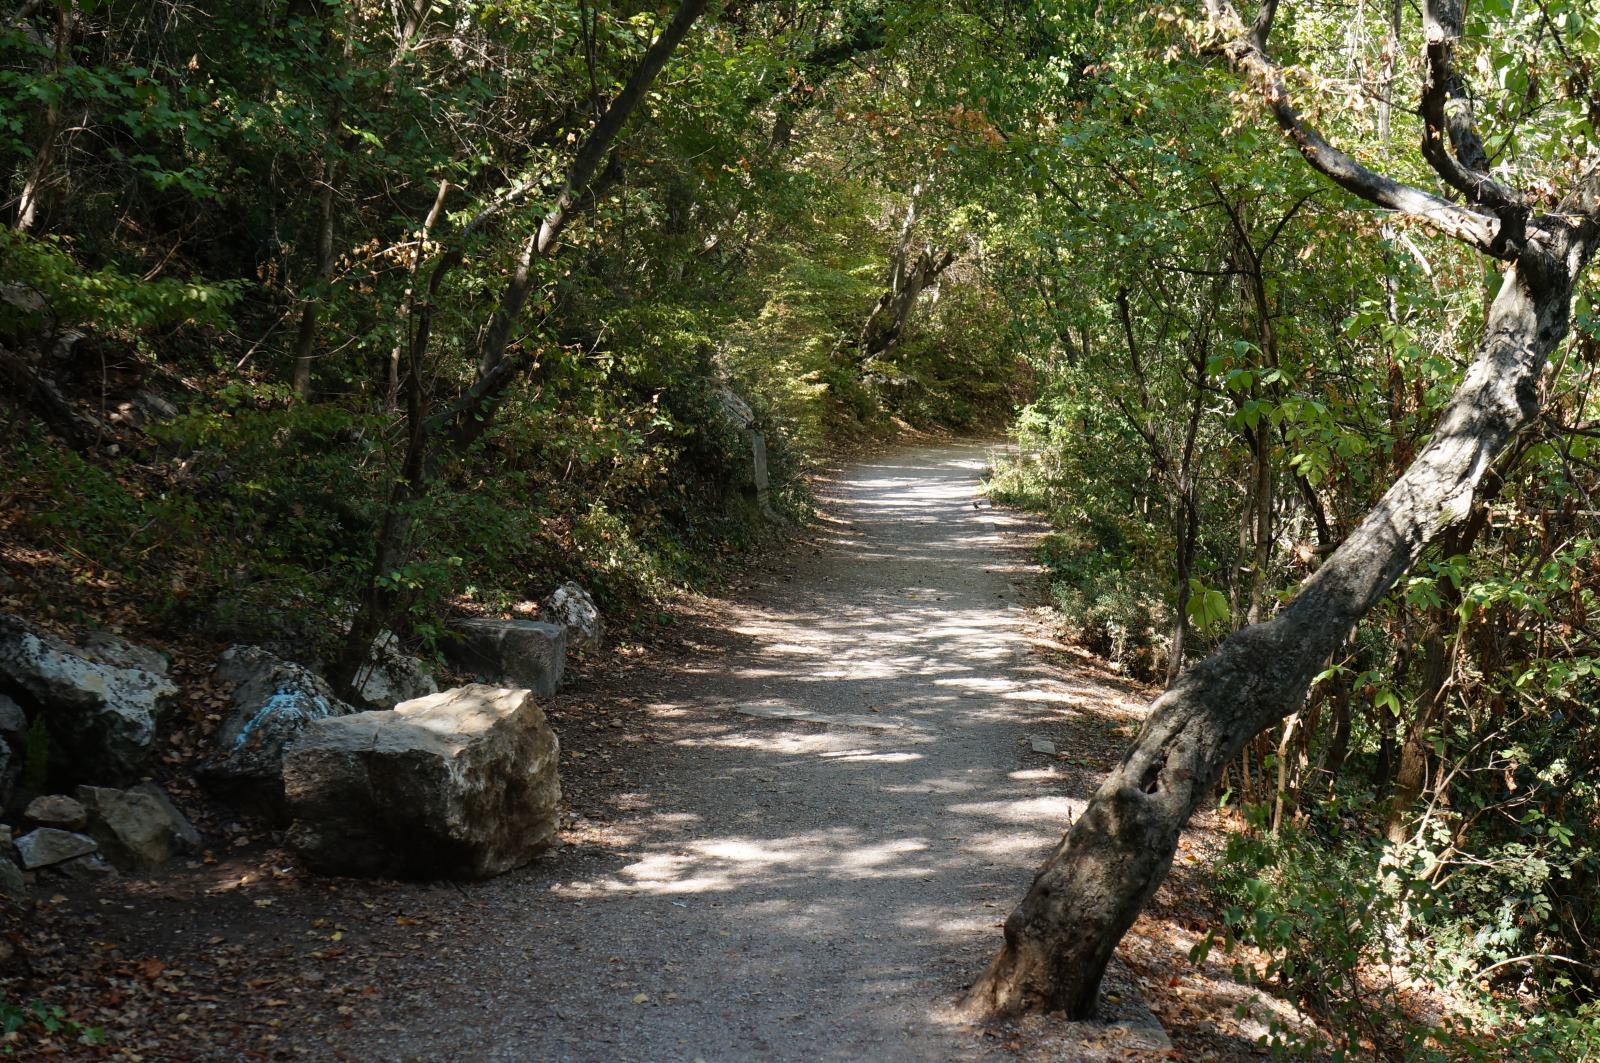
[[795, 825]]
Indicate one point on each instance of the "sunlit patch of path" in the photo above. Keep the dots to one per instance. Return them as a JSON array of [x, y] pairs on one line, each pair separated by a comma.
[[839, 813]]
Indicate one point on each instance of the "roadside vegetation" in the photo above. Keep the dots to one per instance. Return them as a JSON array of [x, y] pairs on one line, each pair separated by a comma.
[[319, 319]]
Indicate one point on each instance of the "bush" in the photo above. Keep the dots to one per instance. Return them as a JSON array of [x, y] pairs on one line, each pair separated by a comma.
[[1329, 918]]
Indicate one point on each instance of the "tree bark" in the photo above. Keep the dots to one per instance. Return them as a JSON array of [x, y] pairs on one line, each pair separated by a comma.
[[39, 172], [1059, 939], [911, 271], [1061, 936], [305, 341]]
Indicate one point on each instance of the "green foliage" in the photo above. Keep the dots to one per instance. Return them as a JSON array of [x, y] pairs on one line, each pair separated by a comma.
[[25, 1023], [1114, 611], [1328, 912], [51, 289]]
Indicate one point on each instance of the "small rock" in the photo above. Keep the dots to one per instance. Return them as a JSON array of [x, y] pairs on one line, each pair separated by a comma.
[[572, 608], [83, 868], [56, 810], [12, 883], [6, 839], [133, 830], [47, 845], [1040, 745]]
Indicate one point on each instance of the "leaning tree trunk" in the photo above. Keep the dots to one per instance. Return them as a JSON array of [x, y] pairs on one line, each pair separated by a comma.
[[1060, 938]]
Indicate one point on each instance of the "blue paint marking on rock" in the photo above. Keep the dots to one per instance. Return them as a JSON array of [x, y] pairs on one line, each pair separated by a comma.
[[285, 702], [274, 701]]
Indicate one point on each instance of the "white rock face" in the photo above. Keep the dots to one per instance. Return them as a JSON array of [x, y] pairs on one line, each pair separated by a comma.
[[460, 784], [571, 607], [393, 676], [519, 653], [100, 702]]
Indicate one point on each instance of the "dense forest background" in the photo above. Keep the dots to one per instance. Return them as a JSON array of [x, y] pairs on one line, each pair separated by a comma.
[[284, 345]]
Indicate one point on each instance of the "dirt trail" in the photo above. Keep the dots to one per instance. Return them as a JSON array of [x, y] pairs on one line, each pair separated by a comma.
[[838, 811]]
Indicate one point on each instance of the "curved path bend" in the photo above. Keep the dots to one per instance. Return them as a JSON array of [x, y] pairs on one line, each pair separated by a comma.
[[835, 811]]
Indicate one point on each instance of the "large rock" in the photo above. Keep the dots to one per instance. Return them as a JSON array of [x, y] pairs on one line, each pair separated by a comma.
[[393, 676], [570, 607], [82, 869], [274, 700], [133, 829], [522, 653], [461, 784], [188, 839], [100, 702], [47, 846]]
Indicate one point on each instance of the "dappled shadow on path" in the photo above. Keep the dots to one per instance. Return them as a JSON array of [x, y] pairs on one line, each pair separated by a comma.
[[832, 813]]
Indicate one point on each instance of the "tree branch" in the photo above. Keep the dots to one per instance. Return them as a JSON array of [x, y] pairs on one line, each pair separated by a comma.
[[598, 142], [1450, 140], [1246, 52]]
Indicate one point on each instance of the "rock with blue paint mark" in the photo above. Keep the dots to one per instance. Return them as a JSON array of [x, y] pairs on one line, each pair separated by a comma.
[[101, 702], [521, 653], [274, 700], [460, 784]]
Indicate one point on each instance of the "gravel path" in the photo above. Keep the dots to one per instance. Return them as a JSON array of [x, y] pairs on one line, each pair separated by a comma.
[[835, 810]]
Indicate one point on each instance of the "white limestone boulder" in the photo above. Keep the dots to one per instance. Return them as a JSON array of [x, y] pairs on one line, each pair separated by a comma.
[[459, 784], [571, 608], [391, 675], [101, 702]]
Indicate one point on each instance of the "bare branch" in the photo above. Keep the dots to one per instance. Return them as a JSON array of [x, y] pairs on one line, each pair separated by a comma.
[[1450, 140], [1248, 55]]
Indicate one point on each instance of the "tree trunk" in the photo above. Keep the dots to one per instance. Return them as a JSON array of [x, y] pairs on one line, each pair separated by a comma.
[[305, 341], [1285, 747], [911, 271], [1061, 936], [1265, 506], [39, 172]]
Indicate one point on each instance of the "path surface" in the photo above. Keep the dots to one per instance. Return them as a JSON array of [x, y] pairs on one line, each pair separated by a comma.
[[836, 811]]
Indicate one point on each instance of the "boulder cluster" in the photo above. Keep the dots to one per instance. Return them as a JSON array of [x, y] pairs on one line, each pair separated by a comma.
[[399, 780]]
